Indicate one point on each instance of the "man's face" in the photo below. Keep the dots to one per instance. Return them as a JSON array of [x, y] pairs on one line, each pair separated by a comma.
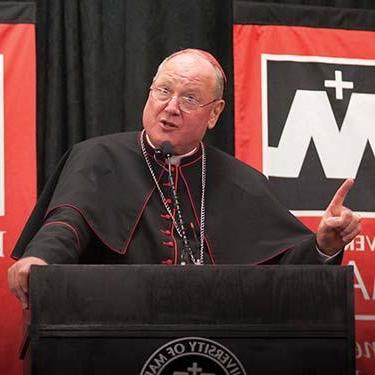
[[185, 75]]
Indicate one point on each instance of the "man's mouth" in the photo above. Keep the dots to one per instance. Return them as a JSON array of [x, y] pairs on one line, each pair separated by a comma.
[[167, 124]]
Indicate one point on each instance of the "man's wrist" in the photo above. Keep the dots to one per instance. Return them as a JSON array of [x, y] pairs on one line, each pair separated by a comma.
[[327, 257]]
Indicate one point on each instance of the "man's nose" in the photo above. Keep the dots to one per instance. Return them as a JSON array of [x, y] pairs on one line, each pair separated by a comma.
[[172, 105]]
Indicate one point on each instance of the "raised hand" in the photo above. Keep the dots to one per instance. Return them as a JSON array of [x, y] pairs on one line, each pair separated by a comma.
[[339, 224]]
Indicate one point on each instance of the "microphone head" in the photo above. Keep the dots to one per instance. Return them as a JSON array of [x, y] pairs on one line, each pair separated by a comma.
[[166, 149]]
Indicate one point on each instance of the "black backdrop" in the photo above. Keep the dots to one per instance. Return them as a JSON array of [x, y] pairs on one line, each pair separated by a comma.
[[96, 59]]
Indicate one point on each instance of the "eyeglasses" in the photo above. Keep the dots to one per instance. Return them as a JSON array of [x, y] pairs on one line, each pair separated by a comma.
[[186, 103]]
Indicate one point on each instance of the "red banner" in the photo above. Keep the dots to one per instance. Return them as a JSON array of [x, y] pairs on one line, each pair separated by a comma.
[[304, 115], [17, 170]]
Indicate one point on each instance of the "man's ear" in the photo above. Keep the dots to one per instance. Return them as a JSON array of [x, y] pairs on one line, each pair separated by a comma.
[[215, 113]]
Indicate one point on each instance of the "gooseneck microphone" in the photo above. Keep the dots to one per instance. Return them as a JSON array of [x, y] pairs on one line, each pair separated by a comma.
[[166, 149]]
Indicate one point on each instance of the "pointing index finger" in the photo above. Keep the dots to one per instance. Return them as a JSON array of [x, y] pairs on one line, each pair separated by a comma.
[[338, 199]]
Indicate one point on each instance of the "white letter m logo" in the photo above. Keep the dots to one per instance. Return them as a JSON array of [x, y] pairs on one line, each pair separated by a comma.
[[311, 119], [318, 128]]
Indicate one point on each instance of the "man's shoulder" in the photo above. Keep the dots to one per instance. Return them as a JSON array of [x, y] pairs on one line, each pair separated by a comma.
[[229, 164], [105, 150], [123, 139]]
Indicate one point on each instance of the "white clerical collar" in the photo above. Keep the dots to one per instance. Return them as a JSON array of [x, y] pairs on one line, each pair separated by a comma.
[[175, 159]]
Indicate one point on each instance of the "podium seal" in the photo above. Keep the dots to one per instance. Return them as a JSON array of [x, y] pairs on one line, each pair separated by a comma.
[[193, 356]]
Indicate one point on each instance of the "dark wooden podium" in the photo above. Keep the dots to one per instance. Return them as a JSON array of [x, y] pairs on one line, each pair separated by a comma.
[[192, 320]]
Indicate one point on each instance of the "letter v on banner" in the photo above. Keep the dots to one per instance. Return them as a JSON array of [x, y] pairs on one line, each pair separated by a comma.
[[304, 115]]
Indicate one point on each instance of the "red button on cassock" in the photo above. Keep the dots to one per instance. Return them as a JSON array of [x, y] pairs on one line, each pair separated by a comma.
[[168, 243], [165, 216]]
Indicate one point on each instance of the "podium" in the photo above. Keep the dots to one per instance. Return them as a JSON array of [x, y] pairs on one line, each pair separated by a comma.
[[189, 320]]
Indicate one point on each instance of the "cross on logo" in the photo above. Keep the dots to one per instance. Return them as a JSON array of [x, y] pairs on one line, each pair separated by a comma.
[[338, 84], [194, 370]]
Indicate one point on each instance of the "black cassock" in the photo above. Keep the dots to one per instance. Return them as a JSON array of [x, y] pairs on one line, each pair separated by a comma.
[[102, 206]]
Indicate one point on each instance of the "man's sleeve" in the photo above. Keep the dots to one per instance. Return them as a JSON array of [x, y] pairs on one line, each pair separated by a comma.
[[62, 237], [306, 252], [38, 214]]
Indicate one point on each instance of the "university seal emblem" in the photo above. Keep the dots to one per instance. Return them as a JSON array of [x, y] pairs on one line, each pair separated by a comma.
[[193, 356]]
